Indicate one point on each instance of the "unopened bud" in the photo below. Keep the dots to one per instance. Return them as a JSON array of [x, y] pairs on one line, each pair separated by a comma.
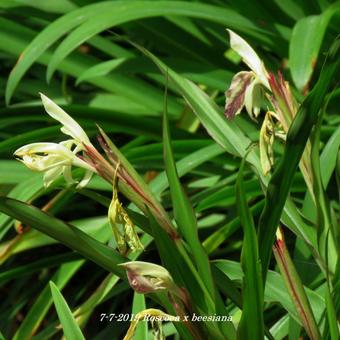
[[145, 277]]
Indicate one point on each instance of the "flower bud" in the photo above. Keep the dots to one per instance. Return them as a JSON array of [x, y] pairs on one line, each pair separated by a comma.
[[145, 277]]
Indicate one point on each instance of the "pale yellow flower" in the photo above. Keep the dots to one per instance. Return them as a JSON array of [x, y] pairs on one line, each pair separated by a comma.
[[57, 159], [54, 159], [249, 57], [70, 126], [246, 87]]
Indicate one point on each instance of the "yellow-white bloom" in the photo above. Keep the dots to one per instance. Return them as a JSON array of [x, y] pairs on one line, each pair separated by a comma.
[[246, 86], [57, 159], [249, 57], [53, 159], [70, 126], [145, 277]]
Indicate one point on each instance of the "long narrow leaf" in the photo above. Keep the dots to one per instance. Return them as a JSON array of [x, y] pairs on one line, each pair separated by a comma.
[[251, 325], [70, 327], [183, 211], [65, 233], [138, 305], [124, 12], [39, 309]]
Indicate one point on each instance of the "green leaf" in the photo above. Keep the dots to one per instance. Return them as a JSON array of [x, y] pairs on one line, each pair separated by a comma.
[[326, 231], [328, 157], [100, 69], [226, 133], [251, 325], [184, 274], [83, 312], [27, 269], [305, 44], [227, 286], [12, 172], [11, 144], [216, 238], [70, 327], [327, 165], [122, 12], [185, 165], [54, 6], [224, 197], [130, 87], [138, 305], [332, 322], [183, 211], [45, 39], [24, 191], [43, 302], [275, 291], [64, 233]]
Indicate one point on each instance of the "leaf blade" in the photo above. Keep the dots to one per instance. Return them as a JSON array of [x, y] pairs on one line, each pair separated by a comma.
[[70, 327], [305, 45], [251, 324], [183, 211]]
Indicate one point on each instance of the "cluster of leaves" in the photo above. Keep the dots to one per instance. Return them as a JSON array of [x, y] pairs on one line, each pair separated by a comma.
[[202, 171]]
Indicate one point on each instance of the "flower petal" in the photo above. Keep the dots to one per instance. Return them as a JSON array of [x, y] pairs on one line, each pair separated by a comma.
[[44, 156], [236, 92], [86, 179], [70, 126], [147, 269], [266, 144], [249, 57], [146, 277], [67, 172], [253, 98], [51, 175], [46, 148]]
